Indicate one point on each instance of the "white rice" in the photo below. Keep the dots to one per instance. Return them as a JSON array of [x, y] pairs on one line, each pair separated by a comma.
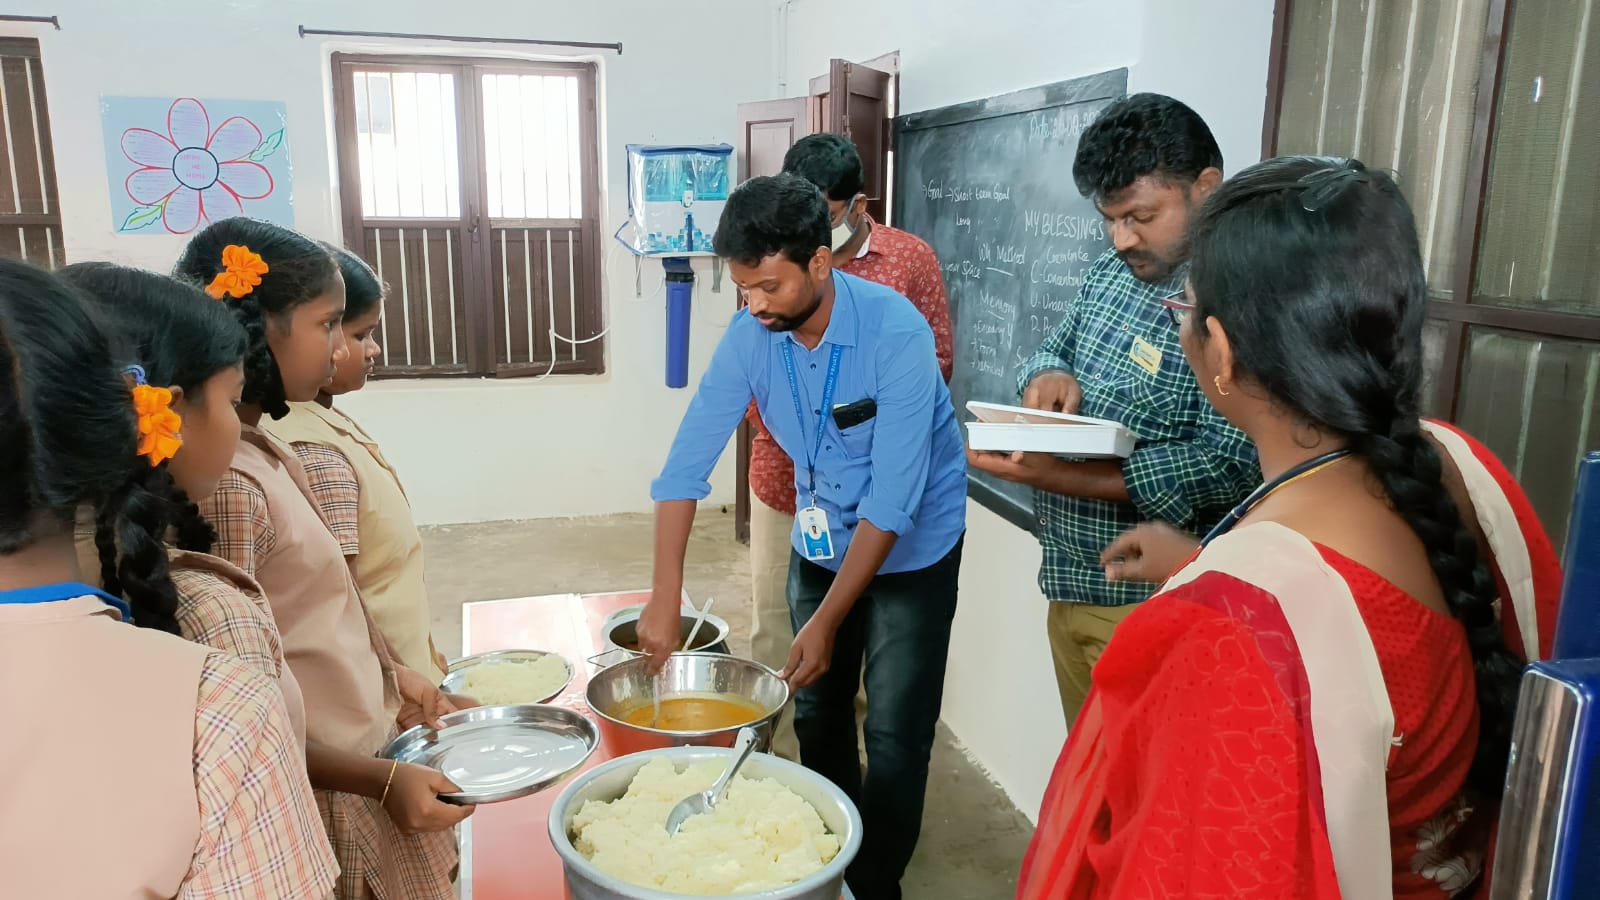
[[505, 682], [761, 836]]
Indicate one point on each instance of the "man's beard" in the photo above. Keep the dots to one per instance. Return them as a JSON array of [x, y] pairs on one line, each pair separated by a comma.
[[789, 323], [1161, 268], [1157, 269]]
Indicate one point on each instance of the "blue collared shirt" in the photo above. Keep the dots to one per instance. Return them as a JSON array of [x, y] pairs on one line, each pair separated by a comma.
[[904, 470]]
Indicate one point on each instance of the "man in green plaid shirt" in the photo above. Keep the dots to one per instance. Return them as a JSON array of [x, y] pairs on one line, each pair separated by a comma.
[[1148, 162]]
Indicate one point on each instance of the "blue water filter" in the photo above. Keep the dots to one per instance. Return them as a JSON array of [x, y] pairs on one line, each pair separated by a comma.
[[1578, 623], [680, 290]]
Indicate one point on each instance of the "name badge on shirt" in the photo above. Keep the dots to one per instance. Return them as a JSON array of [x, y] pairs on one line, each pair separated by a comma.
[[814, 536], [1147, 357]]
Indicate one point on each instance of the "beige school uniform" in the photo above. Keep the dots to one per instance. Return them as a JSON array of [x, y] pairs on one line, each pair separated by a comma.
[[140, 765], [268, 525], [386, 550], [219, 606]]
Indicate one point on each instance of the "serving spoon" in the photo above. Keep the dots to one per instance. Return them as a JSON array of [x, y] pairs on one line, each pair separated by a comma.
[[660, 678], [706, 801]]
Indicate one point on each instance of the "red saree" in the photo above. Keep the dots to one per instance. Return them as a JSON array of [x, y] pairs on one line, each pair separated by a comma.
[[1281, 722]]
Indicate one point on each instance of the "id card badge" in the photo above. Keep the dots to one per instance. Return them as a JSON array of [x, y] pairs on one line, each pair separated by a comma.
[[1145, 355], [814, 536]]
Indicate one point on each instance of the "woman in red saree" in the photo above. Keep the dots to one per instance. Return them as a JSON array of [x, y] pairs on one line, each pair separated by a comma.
[[1317, 704]]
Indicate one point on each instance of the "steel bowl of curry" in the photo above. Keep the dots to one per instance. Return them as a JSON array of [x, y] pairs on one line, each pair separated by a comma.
[[705, 699]]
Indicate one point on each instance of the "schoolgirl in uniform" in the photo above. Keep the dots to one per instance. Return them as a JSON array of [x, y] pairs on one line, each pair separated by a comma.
[[371, 515], [389, 829], [142, 765], [190, 351]]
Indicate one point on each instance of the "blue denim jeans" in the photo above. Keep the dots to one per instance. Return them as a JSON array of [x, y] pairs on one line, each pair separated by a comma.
[[901, 627]]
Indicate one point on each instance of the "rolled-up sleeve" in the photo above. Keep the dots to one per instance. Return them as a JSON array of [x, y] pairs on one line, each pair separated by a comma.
[[719, 403], [1174, 481], [902, 439]]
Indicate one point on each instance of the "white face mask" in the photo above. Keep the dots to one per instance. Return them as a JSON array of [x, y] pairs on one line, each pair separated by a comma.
[[844, 231]]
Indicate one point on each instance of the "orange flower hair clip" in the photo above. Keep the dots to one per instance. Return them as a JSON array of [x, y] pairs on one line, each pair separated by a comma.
[[241, 272], [159, 426]]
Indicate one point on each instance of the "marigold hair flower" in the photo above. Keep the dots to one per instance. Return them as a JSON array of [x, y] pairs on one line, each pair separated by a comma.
[[159, 426], [241, 272]]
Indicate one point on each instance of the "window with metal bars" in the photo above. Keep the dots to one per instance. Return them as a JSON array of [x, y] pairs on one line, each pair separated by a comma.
[[472, 187], [30, 213], [1480, 107]]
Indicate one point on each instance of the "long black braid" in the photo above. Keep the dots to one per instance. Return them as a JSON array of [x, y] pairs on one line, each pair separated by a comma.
[[131, 525], [1313, 269], [178, 336]]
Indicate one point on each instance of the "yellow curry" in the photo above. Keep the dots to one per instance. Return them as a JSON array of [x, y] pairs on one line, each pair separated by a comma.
[[695, 712]]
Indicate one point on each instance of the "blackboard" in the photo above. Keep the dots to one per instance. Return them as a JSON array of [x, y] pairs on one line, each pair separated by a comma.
[[989, 185]]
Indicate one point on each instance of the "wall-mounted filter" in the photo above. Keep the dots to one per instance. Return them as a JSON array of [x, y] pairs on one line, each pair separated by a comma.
[[680, 290]]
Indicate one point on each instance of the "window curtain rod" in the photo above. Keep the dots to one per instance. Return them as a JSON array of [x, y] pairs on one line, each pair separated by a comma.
[[52, 20], [588, 45]]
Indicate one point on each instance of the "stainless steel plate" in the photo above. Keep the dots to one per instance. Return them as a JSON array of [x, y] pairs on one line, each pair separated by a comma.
[[456, 677], [496, 753]]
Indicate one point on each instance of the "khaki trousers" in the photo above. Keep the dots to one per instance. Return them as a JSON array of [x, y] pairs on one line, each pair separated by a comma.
[[1079, 633], [771, 631]]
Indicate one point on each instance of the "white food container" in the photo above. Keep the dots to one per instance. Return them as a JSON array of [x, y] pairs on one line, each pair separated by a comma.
[[1006, 429]]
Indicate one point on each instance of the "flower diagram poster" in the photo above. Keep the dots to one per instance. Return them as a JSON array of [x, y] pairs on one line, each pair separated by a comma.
[[176, 166]]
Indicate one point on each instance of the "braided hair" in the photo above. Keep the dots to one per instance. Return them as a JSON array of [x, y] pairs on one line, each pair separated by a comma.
[[181, 337], [299, 269], [67, 422], [1303, 246]]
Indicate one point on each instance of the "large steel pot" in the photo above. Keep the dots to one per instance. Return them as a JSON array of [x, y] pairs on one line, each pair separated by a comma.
[[623, 687], [610, 781]]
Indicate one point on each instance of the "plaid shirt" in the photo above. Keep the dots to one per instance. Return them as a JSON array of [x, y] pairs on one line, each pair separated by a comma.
[[222, 607], [259, 834], [333, 482], [225, 610], [1189, 467], [375, 859]]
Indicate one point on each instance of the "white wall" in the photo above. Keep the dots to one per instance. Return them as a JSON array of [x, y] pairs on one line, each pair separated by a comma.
[[477, 451], [469, 450], [1000, 695]]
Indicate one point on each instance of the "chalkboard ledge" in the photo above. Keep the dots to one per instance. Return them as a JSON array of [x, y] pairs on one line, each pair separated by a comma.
[[1001, 506]]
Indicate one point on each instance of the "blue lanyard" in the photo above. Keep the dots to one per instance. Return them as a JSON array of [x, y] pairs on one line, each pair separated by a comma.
[[50, 593], [800, 410]]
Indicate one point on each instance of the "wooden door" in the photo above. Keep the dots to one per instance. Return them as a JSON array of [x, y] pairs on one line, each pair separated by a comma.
[[767, 129], [858, 100]]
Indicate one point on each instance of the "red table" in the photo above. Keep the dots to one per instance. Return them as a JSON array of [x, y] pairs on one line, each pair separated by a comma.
[[506, 852], [505, 847]]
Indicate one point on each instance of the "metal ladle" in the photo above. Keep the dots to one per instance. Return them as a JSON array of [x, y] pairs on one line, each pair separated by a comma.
[[655, 693], [706, 801]]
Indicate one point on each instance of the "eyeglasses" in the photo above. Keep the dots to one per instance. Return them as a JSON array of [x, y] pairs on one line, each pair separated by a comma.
[[1178, 308]]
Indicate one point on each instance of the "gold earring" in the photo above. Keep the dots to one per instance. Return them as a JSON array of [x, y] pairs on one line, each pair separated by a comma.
[[1220, 389]]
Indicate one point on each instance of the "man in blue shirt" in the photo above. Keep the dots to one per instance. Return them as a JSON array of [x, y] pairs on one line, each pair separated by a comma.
[[844, 374]]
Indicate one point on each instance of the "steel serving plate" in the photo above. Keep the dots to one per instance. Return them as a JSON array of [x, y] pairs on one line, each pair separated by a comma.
[[496, 753], [456, 677]]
